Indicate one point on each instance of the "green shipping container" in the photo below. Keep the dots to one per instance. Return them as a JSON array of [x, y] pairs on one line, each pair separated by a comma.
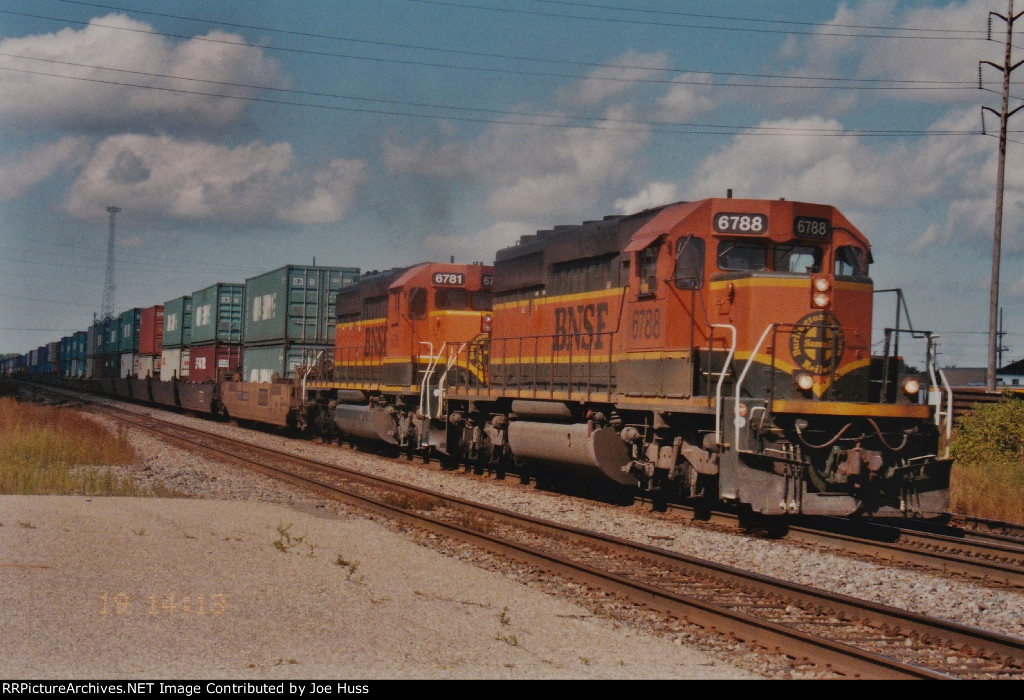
[[217, 314], [293, 304], [260, 364], [178, 322], [130, 320]]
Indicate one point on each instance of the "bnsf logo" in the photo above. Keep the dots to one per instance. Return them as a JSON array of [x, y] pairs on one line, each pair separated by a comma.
[[580, 326], [374, 340]]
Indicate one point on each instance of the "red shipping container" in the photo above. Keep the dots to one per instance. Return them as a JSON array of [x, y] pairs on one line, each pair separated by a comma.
[[151, 331], [213, 361]]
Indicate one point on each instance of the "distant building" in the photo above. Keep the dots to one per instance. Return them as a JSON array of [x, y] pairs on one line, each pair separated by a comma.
[[1012, 374]]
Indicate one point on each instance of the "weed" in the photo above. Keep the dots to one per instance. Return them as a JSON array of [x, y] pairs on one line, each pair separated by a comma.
[[988, 475], [585, 660], [509, 639], [286, 542], [350, 565], [140, 532], [51, 450], [503, 618], [26, 525]]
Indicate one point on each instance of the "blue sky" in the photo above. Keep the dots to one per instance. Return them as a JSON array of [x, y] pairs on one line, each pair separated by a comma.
[[238, 137]]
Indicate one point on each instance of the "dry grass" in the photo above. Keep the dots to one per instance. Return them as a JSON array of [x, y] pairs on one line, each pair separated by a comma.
[[48, 450], [988, 476]]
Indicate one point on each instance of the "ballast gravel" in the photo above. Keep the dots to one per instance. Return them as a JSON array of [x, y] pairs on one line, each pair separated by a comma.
[[951, 598]]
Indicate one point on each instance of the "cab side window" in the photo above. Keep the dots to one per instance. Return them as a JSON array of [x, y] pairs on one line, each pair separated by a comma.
[[417, 303], [850, 262], [689, 272], [648, 269]]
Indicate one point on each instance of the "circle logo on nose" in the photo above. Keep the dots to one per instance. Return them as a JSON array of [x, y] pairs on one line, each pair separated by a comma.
[[816, 342]]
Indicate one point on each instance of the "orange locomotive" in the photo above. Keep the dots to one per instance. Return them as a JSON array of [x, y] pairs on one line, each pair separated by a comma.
[[402, 335], [718, 348]]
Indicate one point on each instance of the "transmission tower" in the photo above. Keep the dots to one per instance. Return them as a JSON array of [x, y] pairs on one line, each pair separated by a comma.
[[108, 286]]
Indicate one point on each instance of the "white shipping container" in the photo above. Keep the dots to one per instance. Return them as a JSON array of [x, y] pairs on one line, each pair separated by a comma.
[[147, 366], [174, 361], [127, 364]]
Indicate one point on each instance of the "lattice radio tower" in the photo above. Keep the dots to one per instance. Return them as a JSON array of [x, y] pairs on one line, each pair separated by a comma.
[[108, 286]]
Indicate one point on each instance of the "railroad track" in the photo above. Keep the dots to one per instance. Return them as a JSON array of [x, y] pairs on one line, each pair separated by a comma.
[[988, 557], [846, 636]]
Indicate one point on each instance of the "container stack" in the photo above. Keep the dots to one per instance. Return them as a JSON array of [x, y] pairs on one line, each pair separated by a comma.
[[63, 368], [109, 347], [128, 344], [217, 319], [151, 337], [79, 345], [289, 319], [174, 354]]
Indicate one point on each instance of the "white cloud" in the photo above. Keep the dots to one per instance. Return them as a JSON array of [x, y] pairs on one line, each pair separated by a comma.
[[123, 43], [23, 171], [653, 195], [946, 56], [685, 99], [161, 178], [479, 245], [619, 75]]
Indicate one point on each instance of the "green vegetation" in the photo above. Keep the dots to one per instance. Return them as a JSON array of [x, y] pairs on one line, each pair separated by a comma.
[[988, 475], [49, 450]]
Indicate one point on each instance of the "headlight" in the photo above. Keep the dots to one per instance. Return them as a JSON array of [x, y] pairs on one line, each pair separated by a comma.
[[911, 387], [820, 299], [821, 284], [805, 381]]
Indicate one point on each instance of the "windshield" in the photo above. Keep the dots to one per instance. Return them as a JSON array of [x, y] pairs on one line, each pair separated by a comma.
[[742, 255], [796, 257]]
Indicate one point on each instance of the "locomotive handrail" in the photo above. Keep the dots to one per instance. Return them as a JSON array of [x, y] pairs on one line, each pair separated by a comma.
[[739, 382], [939, 413], [721, 379], [452, 359], [427, 373]]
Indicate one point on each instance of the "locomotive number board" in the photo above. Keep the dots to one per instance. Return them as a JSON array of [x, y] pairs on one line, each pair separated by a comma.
[[449, 279], [752, 224], [810, 227]]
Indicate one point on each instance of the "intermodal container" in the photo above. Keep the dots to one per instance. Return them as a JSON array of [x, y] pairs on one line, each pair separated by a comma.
[[64, 369], [79, 342], [130, 321], [178, 322], [217, 314], [126, 362], [111, 335], [151, 330], [214, 361], [94, 339], [174, 363], [260, 364], [146, 366], [293, 304]]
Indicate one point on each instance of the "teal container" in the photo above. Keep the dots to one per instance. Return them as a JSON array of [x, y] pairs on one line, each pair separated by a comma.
[[217, 314], [178, 322], [130, 324], [294, 305], [111, 336], [260, 364]]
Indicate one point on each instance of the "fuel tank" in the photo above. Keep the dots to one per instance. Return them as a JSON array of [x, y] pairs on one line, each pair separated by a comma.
[[573, 449], [367, 422]]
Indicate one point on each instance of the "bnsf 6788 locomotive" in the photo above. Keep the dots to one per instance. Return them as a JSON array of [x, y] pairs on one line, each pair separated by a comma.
[[718, 348]]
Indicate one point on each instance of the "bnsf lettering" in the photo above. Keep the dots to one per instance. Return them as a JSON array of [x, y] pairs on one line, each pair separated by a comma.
[[373, 341], [580, 325]]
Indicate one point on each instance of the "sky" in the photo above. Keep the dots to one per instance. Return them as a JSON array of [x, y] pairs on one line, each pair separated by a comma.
[[237, 137]]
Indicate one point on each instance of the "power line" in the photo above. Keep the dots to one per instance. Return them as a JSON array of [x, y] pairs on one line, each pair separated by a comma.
[[484, 54], [890, 84], [660, 23], [709, 129]]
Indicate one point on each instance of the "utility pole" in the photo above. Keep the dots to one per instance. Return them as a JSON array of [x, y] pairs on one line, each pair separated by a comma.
[[107, 309], [997, 237]]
